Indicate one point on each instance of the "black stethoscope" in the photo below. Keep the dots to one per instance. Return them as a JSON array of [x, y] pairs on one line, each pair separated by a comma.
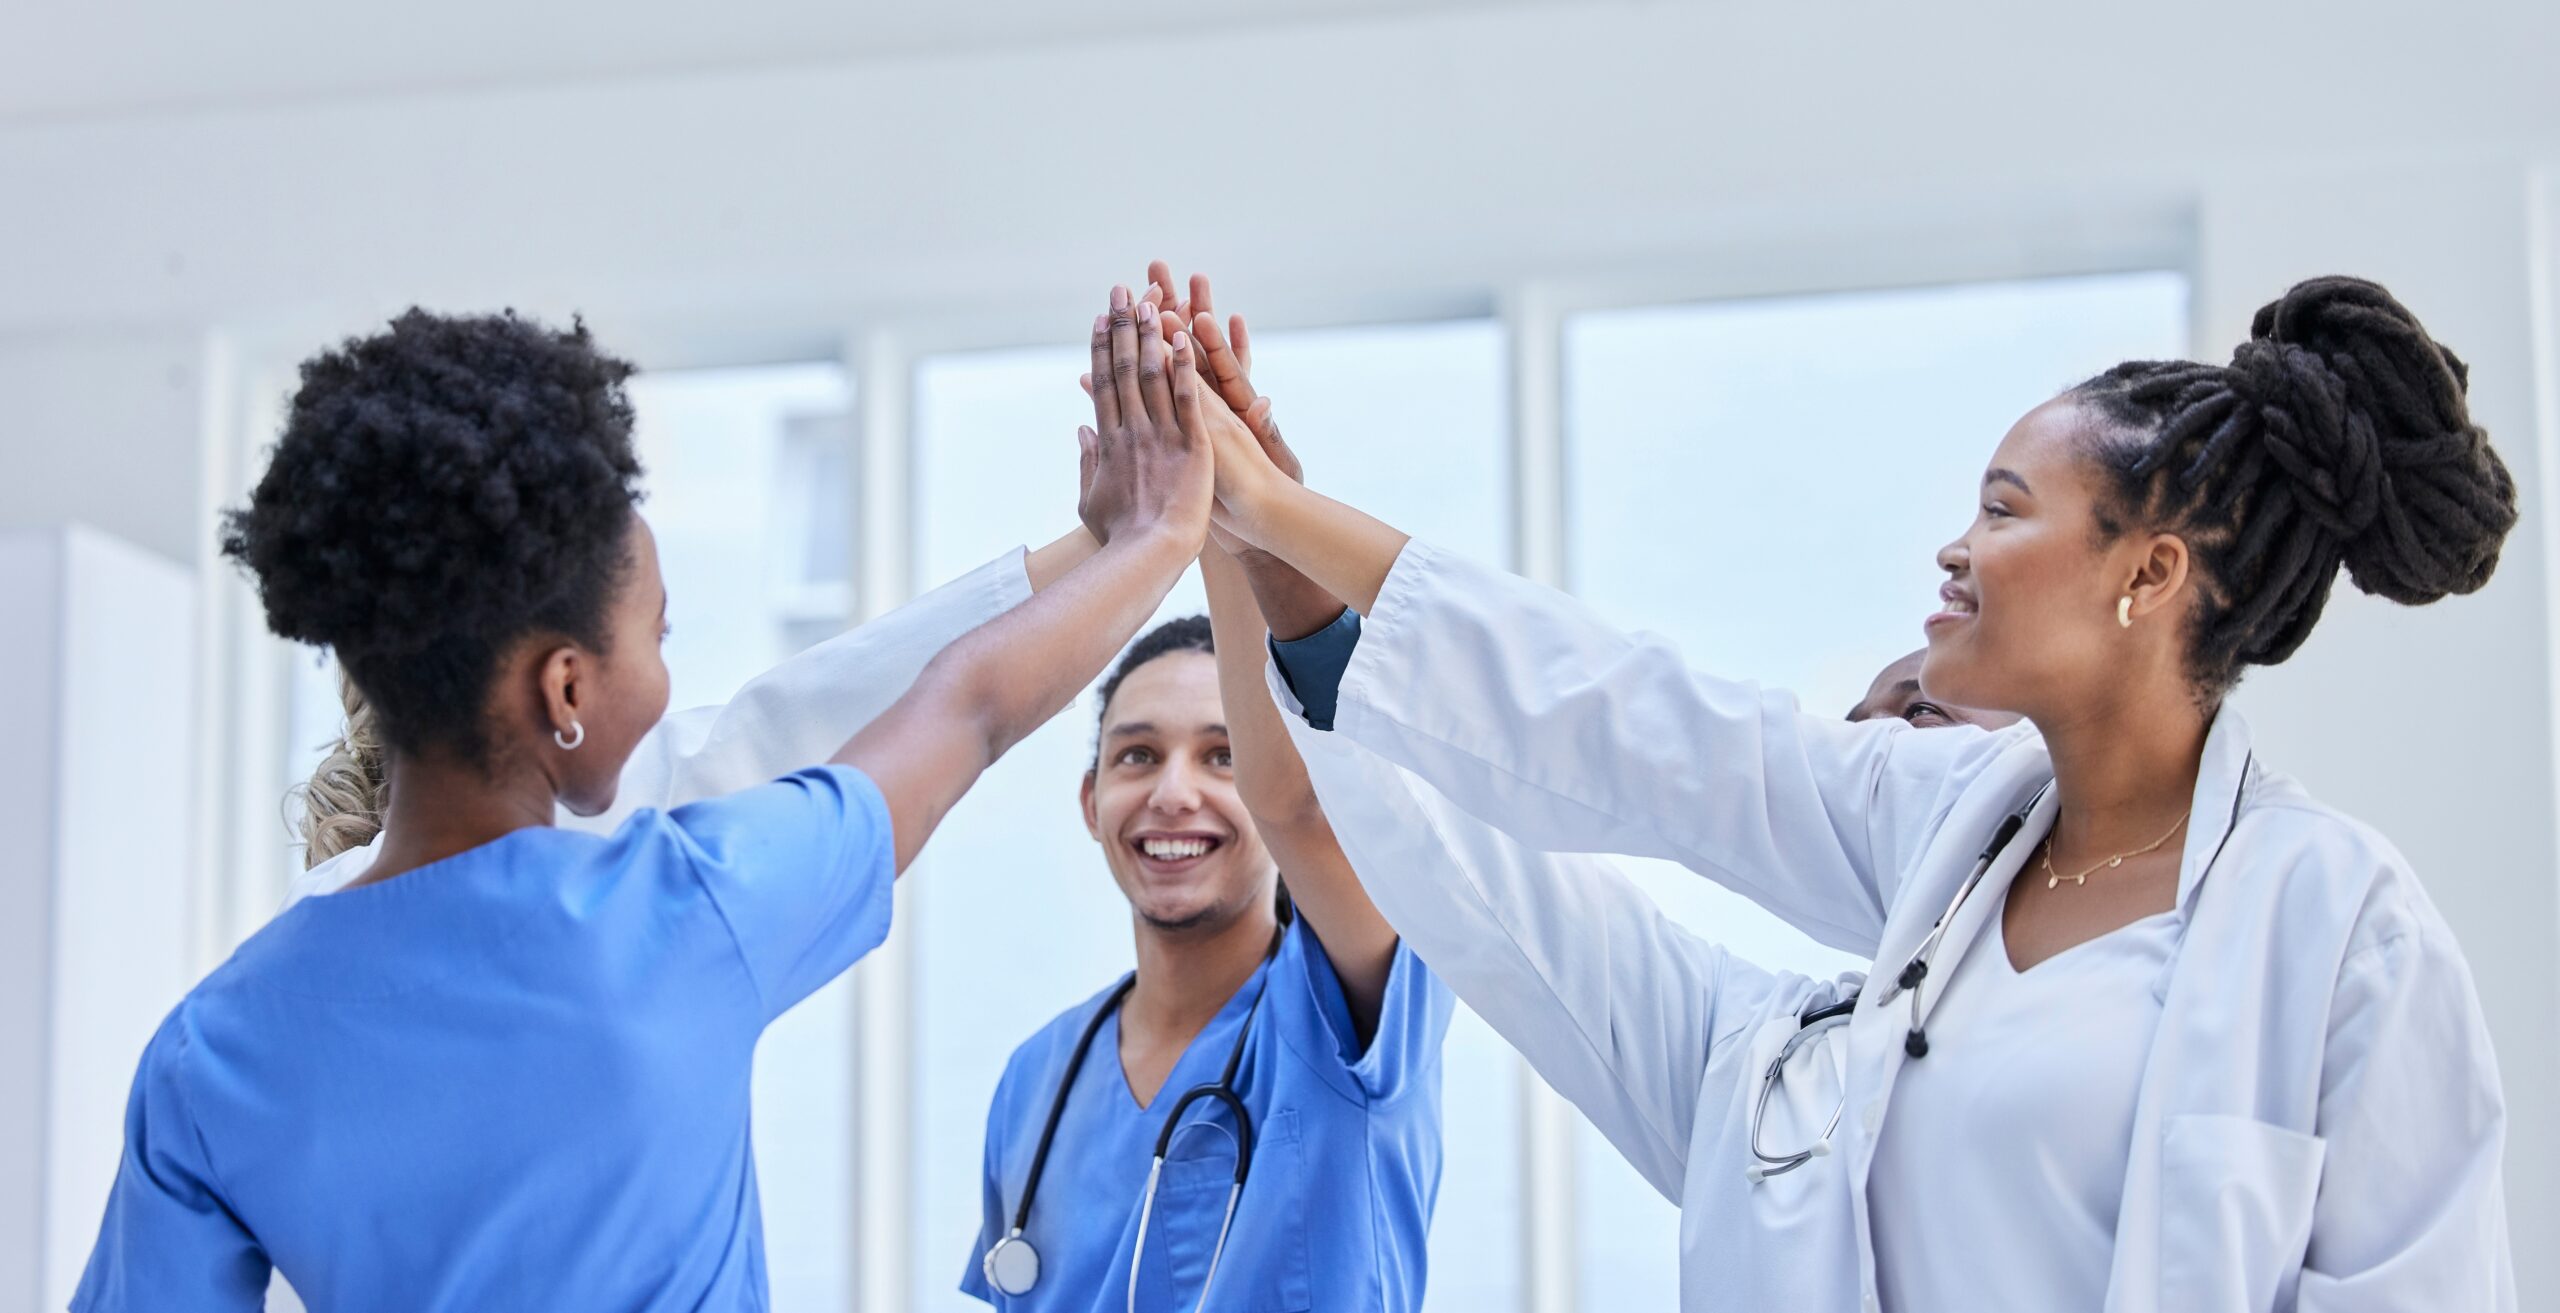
[[1012, 1266], [1915, 1041]]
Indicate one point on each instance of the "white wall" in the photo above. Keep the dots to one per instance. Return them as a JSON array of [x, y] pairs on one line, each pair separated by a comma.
[[104, 426], [1407, 164], [95, 699]]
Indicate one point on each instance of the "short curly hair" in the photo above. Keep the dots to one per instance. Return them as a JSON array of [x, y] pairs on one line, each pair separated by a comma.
[[442, 489]]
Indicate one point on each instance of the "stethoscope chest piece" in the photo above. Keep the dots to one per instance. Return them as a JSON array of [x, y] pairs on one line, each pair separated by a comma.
[[1013, 1266]]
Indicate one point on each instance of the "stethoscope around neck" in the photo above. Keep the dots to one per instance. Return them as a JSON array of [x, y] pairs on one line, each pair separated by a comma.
[[1012, 1266], [1813, 1022], [1911, 978]]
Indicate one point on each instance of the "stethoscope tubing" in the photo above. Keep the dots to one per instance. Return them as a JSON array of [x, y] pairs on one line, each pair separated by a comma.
[[1222, 1091]]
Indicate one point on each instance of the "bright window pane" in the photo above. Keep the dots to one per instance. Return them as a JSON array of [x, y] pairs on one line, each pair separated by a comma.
[[1406, 420], [1767, 483]]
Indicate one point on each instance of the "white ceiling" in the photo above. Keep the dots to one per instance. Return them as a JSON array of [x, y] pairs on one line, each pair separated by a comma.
[[62, 59]]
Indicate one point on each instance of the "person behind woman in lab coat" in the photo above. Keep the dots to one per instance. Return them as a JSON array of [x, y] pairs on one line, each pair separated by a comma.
[[510, 1068], [1895, 694], [2194, 1040]]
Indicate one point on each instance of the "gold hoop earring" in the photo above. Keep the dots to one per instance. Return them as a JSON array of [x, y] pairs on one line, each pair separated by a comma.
[[2124, 611]]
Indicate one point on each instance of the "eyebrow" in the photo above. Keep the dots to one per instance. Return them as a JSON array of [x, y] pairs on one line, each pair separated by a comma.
[[2002, 475], [1132, 728]]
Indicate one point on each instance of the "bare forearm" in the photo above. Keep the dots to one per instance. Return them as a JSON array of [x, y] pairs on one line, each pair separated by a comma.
[[1269, 775], [1004, 679], [1271, 778], [1344, 551], [1292, 605], [1046, 565]]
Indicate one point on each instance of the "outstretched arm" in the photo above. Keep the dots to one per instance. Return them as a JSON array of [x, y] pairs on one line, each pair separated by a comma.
[[1272, 780], [803, 709], [1538, 716], [1147, 475]]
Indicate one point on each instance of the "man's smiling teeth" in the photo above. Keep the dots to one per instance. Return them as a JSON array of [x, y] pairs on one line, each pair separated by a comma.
[[1173, 850]]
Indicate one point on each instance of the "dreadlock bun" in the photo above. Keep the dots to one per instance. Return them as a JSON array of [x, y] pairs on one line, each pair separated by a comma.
[[2339, 435], [2367, 418]]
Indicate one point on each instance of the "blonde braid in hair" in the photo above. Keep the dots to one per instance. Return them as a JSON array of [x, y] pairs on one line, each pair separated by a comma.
[[342, 805]]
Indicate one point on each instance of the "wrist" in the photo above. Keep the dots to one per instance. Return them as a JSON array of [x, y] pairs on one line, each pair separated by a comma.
[[1251, 508], [1293, 605], [1157, 537]]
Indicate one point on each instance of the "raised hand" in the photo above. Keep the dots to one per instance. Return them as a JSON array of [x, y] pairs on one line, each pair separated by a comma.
[[1147, 463], [1226, 358]]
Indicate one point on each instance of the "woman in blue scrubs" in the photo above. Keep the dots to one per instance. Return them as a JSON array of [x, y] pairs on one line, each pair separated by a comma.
[[1331, 1029], [508, 1067]]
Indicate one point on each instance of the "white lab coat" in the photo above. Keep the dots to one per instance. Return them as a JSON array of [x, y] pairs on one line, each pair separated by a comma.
[[792, 716], [2320, 1124], [1659, 1037]]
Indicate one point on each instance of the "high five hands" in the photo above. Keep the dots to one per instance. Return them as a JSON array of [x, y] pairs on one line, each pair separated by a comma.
[[1147, 464], [1235, 422]]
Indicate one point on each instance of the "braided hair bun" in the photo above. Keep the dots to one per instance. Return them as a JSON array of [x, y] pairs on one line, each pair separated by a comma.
[[2339, 435]]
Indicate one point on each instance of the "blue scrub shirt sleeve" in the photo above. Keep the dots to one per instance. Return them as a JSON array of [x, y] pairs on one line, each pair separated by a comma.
[[1413, 1021], [801, 870], [169, 1240]]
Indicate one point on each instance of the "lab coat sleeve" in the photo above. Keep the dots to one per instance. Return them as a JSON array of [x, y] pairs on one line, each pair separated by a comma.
[[2411, 1211], [1528, 710], [1617, 1007], [169, 1241], [798, 713]]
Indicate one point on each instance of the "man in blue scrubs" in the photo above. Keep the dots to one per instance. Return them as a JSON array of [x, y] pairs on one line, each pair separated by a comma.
[[1332, 1027]]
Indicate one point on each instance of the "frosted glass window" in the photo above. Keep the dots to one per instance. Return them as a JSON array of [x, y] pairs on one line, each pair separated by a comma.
[[1407, 420], [1767, 483]]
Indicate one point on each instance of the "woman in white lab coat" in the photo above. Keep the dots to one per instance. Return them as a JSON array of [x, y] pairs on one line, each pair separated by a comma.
[[2217, 1049]]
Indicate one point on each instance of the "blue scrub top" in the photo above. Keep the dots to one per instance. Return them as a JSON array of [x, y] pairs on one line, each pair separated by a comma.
[[1347, 1162], [513, 1079]]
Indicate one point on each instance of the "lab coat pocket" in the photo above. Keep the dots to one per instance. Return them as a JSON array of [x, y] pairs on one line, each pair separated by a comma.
[[1264, 1267], [1802, 1115], [2236, 1201]]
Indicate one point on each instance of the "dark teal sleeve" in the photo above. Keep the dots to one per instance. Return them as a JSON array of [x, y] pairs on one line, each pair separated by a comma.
[[1312, 666]]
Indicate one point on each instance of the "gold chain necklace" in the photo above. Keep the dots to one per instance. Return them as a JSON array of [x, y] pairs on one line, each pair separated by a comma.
[[2052, 880]]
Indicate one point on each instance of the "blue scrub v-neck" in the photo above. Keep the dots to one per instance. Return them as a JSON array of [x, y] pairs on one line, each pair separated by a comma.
[[1346, 1165]]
